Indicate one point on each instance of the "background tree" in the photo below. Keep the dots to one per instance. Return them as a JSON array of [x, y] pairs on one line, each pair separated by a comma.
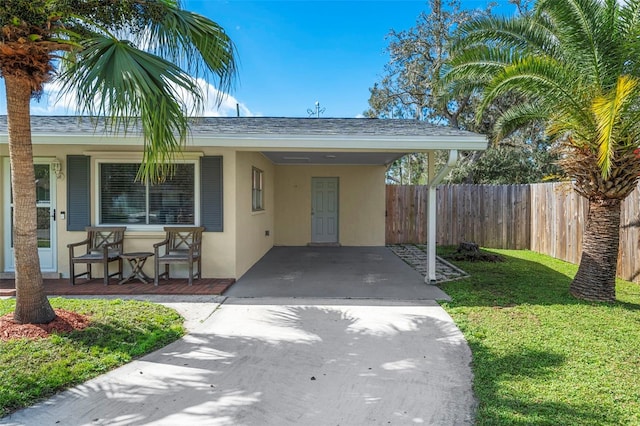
[[526, 156], [126, 60], [575, 64], [411, 88]]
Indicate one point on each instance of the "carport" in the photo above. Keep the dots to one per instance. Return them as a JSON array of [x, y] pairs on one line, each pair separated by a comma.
[[331, 163], [334, 272]]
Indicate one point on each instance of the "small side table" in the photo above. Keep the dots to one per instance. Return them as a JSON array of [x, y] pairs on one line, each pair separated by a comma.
[[137, 261]]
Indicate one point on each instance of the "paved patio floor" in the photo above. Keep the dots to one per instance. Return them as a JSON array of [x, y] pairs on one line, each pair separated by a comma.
[[175, 286], [334, 272]]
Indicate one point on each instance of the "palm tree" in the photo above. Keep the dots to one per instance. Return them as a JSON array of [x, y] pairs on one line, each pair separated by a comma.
[[576, 64], [126, 60]]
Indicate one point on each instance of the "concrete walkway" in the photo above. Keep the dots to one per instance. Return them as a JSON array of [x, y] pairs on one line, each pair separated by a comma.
[[285, 362]]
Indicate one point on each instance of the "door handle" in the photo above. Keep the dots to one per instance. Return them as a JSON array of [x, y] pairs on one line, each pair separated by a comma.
[[53, 215]]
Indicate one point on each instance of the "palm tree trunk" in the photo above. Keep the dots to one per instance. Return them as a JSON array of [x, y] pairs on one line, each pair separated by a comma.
[[596, 276], [32, 305]]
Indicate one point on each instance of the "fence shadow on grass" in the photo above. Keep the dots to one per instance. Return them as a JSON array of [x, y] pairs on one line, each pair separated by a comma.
[[523, 278], [541, 356]]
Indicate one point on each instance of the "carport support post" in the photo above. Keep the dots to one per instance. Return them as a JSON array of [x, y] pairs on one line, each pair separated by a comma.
[[434, 180], [431, 220]]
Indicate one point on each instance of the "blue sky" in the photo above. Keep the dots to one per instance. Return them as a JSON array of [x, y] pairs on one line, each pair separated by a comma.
[[294, 53]]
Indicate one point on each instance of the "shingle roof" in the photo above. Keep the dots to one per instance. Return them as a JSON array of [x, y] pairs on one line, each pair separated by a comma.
[[239, 126]]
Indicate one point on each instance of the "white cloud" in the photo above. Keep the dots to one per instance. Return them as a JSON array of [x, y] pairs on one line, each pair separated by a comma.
[[52, 103], [49, 104], [229, 106]]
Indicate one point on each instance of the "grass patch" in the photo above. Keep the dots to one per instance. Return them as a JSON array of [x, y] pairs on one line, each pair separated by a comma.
[[120, 331], [539, 355]]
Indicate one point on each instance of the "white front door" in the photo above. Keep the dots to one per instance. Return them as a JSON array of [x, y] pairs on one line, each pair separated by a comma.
[[45, 203], [324, 210]]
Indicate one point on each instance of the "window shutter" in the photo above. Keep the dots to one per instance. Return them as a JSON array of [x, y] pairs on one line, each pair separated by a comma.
[[78, 192], [211, 193]]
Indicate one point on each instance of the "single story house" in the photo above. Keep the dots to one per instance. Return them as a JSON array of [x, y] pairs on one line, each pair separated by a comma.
[[252, 182]]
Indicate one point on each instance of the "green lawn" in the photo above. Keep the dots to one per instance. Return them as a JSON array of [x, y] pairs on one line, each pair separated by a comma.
[[120, 331], [539, 355]]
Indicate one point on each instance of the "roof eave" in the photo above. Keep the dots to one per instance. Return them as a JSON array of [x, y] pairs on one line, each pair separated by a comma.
[[285, 142]]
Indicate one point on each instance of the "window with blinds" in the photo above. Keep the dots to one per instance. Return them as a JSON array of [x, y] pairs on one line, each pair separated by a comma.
[[123, 200]]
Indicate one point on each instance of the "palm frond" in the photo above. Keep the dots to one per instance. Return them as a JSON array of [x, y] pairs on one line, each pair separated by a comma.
[[565, 126], [113, 78], [589, 32], [575, 22], [540, 79], [631, 124], [607, 110], [200, 46], [630, 32], [503, 33], [150, 80], [629, 16], [480, 61], [517, 117], [574, 64]]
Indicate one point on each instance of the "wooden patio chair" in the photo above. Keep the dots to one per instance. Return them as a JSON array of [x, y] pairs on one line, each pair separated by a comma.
[[104, 244], [181, 245]]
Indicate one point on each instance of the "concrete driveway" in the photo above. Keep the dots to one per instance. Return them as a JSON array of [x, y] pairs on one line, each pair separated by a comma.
[[285, 362], [334, 272]]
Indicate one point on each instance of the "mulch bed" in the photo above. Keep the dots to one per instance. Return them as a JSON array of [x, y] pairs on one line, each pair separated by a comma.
[[64, 322], [470, 252]]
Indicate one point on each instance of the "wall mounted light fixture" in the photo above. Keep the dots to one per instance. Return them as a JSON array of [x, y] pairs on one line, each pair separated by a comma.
[[56, 167]]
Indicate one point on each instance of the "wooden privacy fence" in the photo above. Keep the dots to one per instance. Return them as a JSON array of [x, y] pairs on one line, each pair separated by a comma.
[[490, 215], [558, 221], [547, 217], [558, 218], [406, 212]]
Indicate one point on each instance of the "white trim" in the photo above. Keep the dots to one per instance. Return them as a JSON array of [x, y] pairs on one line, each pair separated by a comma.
[[431, 218], [450, 164], [119, 155], [9, 261], [283, 142], [432, 214], [260, 208], [6, 212]]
